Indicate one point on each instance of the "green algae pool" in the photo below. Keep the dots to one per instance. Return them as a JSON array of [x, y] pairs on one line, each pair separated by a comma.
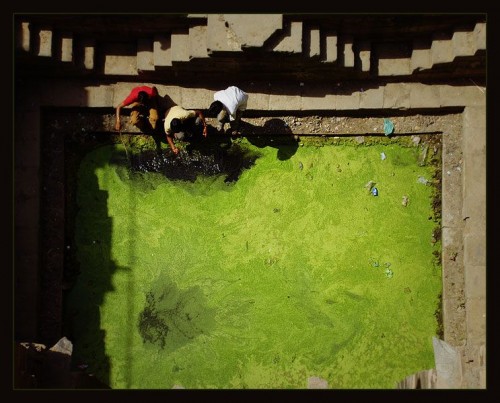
[[293, 271]]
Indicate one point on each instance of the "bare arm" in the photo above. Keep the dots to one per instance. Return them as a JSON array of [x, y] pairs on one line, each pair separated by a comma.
[[118, 124], [174, 149]]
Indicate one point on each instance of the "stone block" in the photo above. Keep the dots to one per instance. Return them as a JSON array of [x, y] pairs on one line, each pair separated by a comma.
[[347, 102], [252, 30], [420, 56], [291, 43], [120, 58], [282, 98], [99, 96], [198, 41], [441, 49], [317, 98], [45, 44], [372, 98], [162, 51], [331, 54], [258, 100], [170, 94], [67, 48], [180, 46], [474, 191], [476, 320], [196, 98], [145, 55], [396, 96], [314, 42], [450, 95], [475, 280], [424, 96], [348, 52]]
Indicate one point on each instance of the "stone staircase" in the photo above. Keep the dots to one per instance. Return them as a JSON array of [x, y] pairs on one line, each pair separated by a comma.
[[212, 41]]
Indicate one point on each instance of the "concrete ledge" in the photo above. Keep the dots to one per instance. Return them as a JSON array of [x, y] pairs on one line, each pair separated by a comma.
[[424, 96], [476, 320], [345, 102], [281, 99], [450, 95], [315, 98], [145, 55], [475, 275], [258, 100], [397, 96], [474, 192], [372, 98], [474, 250], [196, 98], [101, 96]]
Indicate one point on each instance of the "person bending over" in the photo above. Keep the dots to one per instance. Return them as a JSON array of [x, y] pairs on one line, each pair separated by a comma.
[[144, 102], [183, 124], [228, 107]]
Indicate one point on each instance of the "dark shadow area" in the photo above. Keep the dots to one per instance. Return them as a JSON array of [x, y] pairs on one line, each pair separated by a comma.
[[211, 156], [275, 133], [63, 147], [39, 368], [172, 317]]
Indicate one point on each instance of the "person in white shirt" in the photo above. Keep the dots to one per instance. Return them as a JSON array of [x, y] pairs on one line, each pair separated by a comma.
[[228, 107]]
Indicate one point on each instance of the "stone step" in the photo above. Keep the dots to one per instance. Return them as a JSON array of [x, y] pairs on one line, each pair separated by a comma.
[[88, 53], [394, 59], [23, 40], [331, 51], [480, 34], [292, 41], [45, 48], [348, 51], [145, 55], [314, 42], [441, 49], [119, 58], [198, 42], [420, 56], [463, 43], [364, 51], [179, 41], [233, 33], [162, 51], [66, 44]]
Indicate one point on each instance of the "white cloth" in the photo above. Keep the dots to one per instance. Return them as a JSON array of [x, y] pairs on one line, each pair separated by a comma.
[[233, 100]]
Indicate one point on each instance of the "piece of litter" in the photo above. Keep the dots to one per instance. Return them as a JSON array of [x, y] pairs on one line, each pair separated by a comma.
[[388, 127], [422, 180], [370, 185], [388, 273], [405, 201], [382, 156]]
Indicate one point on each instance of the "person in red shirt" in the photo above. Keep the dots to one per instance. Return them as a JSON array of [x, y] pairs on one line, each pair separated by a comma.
[[145, 103]]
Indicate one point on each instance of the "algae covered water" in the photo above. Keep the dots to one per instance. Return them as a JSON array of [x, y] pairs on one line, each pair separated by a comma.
[[292, 271]]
